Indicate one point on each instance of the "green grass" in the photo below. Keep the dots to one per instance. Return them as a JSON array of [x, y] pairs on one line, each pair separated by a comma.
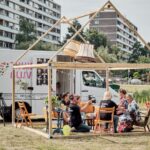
[[134, 88], [12, 138]]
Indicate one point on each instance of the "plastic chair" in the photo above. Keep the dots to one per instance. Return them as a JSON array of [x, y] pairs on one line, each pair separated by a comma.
[[99, 122], [24, 116]]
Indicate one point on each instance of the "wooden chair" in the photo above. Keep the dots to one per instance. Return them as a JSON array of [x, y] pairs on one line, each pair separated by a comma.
[[24, 116], [145, 121], [99, 122], [89, 113]]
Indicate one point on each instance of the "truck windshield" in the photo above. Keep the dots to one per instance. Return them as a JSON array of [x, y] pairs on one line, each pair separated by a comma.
[[91, 79]]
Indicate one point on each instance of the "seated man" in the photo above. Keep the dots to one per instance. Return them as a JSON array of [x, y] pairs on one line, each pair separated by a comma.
[[75, 115]]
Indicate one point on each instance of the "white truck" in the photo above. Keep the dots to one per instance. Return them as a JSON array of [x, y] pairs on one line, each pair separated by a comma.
[[31, 84]]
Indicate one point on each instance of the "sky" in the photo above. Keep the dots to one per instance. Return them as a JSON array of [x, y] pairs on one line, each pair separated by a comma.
[[137, 11]]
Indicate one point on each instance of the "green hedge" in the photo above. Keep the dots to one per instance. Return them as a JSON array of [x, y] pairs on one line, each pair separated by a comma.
[[142, 97]]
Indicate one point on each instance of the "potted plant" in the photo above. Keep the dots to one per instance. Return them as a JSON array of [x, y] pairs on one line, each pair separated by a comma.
[[55, 101], [55, 104]]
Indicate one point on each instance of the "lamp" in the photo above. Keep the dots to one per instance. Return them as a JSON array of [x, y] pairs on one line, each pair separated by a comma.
[[72, 48], [85, 53]]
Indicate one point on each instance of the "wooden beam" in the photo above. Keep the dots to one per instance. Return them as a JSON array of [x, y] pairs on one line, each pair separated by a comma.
[[36, 131], [99, 57], [88, 13], [83, 15], [50, 101], [13, 97], [107, 80], [98, 66], [49, 30], [130, 25], [76, 33], [30, 66]]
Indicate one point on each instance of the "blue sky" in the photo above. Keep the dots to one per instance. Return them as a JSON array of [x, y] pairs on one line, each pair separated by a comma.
[[137, 11]]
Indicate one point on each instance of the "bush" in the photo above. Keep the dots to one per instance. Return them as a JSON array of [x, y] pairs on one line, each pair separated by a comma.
[[136, 75], [142, 97], [55, 101]]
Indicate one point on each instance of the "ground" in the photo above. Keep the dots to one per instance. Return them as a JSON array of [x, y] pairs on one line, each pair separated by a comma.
[[12, 138]]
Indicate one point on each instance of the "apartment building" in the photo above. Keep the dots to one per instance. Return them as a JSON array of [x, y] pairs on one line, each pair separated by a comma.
[[116, 30], [42, 13]]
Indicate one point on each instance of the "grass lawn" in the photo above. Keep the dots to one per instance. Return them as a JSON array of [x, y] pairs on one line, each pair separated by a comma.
[[12, 138], [133, 88]]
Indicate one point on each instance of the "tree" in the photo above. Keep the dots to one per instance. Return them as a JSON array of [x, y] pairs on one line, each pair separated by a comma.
[[138, 50], [27, 36], [39, 46], [26, 32], [96, 38], [103, 52], [71, 32]]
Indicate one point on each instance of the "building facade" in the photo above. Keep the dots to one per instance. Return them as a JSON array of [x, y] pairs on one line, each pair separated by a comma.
[[42, 13], [116, 30]]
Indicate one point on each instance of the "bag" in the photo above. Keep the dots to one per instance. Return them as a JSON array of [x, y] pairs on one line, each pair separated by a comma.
[[125, 126]]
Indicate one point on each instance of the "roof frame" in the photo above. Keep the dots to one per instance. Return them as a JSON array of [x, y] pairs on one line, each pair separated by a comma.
[[58, 65]]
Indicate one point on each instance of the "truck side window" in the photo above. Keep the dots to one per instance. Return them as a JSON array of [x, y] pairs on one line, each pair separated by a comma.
[[91, 79]]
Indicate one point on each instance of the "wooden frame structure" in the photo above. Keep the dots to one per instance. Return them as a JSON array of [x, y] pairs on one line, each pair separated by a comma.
[[74, 65]]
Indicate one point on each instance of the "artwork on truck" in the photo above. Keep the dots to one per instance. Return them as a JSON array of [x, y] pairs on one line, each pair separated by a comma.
[[42, 76]]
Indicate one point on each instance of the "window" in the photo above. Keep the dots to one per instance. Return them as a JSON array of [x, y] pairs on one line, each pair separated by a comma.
[[1, 43], [91, 79]]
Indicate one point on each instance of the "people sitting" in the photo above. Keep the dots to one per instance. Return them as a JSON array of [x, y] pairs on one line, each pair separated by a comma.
[[123, 104], [75, 115], [129, 116], [108, 103], [65, 102]]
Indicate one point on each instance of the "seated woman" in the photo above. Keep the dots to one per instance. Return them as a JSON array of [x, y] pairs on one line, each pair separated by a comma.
[[130, 115], [108, 103], [65, 102], [123, 104]]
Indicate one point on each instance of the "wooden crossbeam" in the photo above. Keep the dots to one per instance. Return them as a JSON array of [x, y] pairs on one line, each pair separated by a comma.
[[98, 66], [31, 66]]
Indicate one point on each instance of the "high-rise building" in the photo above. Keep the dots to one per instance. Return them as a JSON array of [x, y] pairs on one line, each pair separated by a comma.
[[116, 30], [42, 13]]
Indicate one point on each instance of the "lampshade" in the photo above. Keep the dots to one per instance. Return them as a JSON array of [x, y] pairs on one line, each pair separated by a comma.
[[72, 48], [85, 53]]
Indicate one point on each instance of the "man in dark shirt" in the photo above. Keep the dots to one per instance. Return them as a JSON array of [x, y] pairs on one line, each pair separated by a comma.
[[108, 103], [75, 116]]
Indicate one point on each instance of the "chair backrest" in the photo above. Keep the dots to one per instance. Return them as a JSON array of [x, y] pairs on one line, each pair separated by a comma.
[[22, 107], [147, 105], [106, 111], [89, 108], [147, 117]]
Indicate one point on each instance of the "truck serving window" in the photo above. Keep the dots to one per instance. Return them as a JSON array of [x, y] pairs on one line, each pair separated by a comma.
[[91, 79]]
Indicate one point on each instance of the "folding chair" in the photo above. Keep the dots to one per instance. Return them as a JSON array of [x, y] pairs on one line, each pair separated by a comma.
[[145, 121], [99, 122], [24, 115]]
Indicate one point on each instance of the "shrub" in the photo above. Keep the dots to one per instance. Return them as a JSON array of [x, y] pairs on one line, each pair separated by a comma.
[[142, 97]]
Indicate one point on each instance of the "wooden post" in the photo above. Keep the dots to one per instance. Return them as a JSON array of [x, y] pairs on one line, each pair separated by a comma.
[[13, 97], [107, 79], [49, 101]]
